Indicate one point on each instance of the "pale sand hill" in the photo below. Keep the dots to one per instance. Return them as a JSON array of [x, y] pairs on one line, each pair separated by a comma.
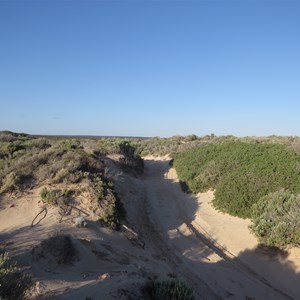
[[178, 233]]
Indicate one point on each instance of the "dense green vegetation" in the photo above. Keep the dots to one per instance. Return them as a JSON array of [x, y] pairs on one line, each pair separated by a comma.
[[242, 174]]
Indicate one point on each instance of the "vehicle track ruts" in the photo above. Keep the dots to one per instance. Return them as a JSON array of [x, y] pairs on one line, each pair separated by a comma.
[[152, 238]]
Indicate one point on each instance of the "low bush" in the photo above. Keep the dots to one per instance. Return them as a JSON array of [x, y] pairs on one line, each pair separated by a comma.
[[276, 219], [169, 290], [109, 212], [13, 282], [61, 175], [68, 144], [49, 197], [9, 183], [102, 192]]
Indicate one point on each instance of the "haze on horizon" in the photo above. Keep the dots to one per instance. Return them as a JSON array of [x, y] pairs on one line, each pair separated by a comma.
[[150, 68]]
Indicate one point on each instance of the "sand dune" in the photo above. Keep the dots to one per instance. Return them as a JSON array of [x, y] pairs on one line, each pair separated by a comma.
[[178, 233]]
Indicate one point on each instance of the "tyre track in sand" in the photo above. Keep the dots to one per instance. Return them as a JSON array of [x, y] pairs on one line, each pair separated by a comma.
[[154, 242], [153, 238]]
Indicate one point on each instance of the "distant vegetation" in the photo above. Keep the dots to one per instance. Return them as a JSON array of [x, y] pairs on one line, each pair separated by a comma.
[[177, 144], [245, 177]]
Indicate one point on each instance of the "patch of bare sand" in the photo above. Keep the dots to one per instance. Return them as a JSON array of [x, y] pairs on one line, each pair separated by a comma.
[[108, 266]]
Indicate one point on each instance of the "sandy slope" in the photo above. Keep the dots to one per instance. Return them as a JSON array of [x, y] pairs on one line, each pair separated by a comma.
[[281, 270], [109, 265], [177, 234]]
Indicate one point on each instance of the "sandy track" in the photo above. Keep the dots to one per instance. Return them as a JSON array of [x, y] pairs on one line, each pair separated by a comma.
[[169, 226]]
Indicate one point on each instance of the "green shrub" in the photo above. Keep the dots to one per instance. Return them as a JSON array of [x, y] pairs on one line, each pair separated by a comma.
[[109, 213], [50, 197], [170, 290], [9, 183], [107, 200], [61, 175], [276, 218], [13, 282], [69, 144], [12, 147], [40, 143], [240, 173]]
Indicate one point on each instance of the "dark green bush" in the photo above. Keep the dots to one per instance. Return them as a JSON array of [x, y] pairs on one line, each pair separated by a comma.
[[170, 290], [240, 173], [276, 219]]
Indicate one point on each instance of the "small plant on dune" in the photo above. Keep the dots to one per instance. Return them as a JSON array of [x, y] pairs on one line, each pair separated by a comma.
[[49, 197], [10, 183], [169, 290], [56, 196], [13, 282]]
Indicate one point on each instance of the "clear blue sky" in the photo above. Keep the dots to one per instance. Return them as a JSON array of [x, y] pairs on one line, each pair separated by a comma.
[[150, 68]]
